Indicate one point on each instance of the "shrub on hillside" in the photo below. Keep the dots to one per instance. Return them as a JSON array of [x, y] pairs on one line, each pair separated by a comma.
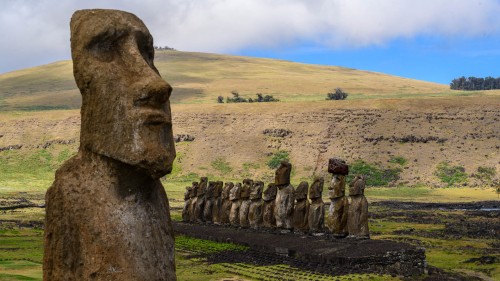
[[236, 98], [338, 94], [275, 159], [375, 176], [451, 175]]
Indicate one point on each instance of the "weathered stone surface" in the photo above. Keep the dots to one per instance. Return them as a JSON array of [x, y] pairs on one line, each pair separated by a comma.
[[300, 209], [234, 196], [245, 202], [357, 217], [338, 167], [282, 174], [316, 212], [209, 202], [187, 203], [194, 199], [336, 221], [337, 187], [269, 198], [200, 199], [284, 207], [107, 213], [217, 208], [255, 213], [226, 203]]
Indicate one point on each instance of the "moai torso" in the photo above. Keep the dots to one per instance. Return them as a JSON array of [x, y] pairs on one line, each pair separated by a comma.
[[226, 203], [357, 217], [245, 202], [187, 203], [337, 213], [234, 196], [269, 199], [300, 208], [216, 210], [284, 198], [200, 200], [209, 202], [194, 199], [107, 213], [316, 213], [255, 213]]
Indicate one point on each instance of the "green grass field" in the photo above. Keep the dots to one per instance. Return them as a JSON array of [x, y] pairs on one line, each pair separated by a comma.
[[28, 176]]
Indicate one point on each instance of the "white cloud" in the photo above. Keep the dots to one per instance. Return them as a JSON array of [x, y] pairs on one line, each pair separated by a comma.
[[35, 32]]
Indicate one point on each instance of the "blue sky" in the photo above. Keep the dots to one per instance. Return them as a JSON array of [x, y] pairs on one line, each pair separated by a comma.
[[432, 40]]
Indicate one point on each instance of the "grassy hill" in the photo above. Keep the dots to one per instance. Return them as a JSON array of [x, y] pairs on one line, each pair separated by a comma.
[[201, 78]]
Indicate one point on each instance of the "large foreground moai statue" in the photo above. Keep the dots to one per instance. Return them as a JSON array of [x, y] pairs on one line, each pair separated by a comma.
[[357, 218], [300, 208], [255, 213], [337, 214], [245, 202], [316, 211], [107, 213], [269, 198], [226, 203], [235, 197], [200, 199], [284, 197]]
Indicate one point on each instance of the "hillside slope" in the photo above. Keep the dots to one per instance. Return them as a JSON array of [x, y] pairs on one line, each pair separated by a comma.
[[201, 78], [230, 143]]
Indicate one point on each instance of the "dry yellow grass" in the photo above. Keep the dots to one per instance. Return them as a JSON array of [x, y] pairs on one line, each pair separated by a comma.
[[201, 78]]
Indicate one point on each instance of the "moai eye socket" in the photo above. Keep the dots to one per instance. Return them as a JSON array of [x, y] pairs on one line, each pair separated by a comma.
[[106, 46], [145, 46]]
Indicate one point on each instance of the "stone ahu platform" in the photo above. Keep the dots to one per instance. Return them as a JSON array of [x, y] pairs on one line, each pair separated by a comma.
[[324, 253]]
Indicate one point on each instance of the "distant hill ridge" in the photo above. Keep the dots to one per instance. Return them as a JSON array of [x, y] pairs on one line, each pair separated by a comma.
[[202, 77]]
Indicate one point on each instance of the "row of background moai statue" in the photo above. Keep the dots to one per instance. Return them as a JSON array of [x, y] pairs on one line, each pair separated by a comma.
[[281, 206]]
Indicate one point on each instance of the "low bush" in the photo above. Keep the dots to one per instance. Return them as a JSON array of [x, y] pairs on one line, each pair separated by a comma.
[[275, 159], [375, 176], [451, 175]]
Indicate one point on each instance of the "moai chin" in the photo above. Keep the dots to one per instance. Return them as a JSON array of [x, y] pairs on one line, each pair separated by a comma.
[[301, 207], [245, 202], [357, 216], [194, 199], [201, 190], [107, 213], [216, 209], [269, 198], [235, 196], [255, 213], [284, 197], [337, 213], [226, 203], [187, 203], [209, 202], [316, 212]]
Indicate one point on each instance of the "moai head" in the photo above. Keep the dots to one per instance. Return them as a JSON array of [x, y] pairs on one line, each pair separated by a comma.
[[202, 187], [282, 175], [235, 193], [256, 190], [301, 191], [337, 187], [357, 186], [270, 193], [226, 190], [316, 189], [337, 167], [210, 189], [218, 189], [125, 103], [187, 193], [194, 189], [245, 189]]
